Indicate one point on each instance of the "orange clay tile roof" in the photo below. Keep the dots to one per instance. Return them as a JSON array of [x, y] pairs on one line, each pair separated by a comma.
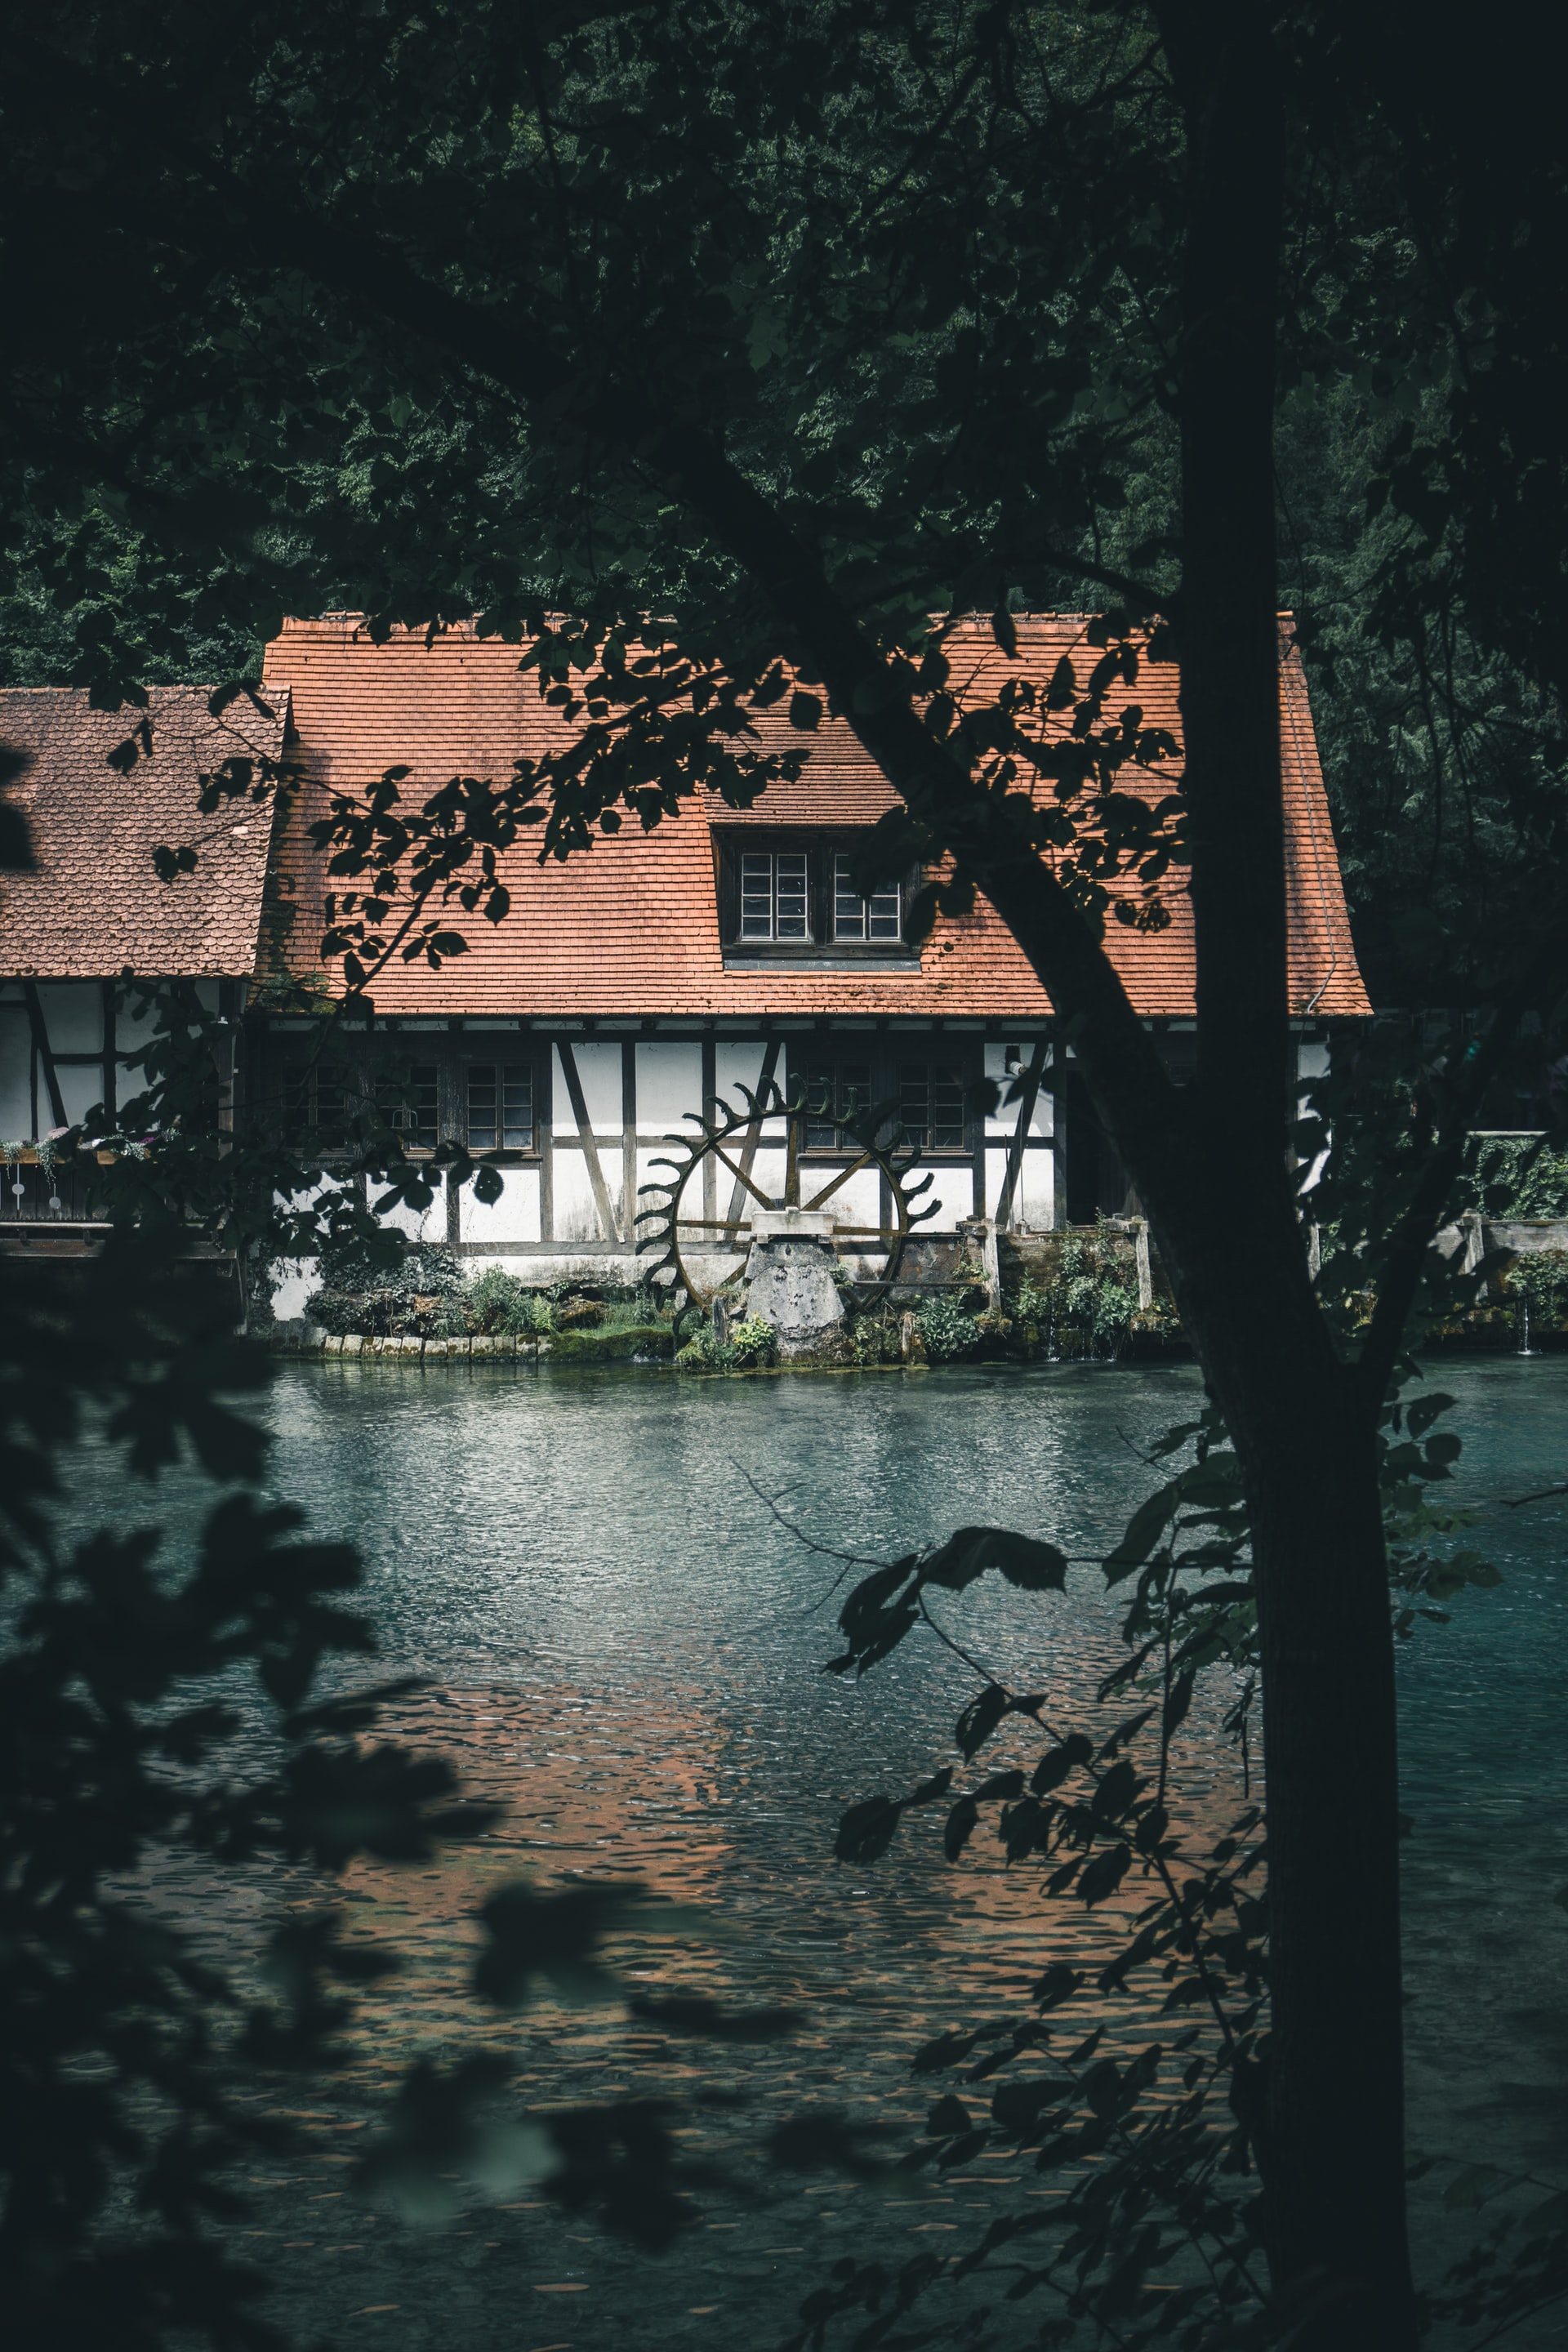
[[631, 927], [95, 903]]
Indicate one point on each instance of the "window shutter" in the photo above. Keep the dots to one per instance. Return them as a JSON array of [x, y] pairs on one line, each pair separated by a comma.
[[729, 892]]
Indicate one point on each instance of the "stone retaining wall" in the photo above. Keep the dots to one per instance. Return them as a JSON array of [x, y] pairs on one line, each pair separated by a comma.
[[305, 1339], [634, 1345]]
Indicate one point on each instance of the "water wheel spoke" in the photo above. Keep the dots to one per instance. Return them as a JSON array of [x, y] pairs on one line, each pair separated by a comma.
[[870, 1232], [842, 1177], [741, 1177], [714, 1224]]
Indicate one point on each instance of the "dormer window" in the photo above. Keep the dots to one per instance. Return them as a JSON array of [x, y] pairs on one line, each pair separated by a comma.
[[791, 898]]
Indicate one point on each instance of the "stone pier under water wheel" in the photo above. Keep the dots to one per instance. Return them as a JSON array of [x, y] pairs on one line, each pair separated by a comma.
[[778, 1244]]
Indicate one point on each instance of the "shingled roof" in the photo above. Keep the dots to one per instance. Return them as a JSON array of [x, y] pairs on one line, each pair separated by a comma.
[[95, 902], [632, 926]]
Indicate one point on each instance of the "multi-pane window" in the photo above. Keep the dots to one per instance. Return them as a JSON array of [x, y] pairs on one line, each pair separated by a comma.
[[410, 1099], [329, 1094], [500, 1106], [316, 1095], [833, 1091], [775, 894], [879, 916], [931, 1106]]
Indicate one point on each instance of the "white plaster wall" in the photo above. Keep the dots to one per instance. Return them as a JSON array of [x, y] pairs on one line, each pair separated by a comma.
[[767, 1173], [293, 1280], [735, 1066], [513, 1218], [709, 1270], [650, 1152], [16, 1069], [1037, 1198], [541, 1270], [669, 1085], [857, 1202], [132, 1038], [320, 1191], [1000, 1122], [73, 1016], [599, 1068], [420, 1224], [952, 1185], [1003, 1121], [767, 1170], [1311, 1062], [80, 1090], [576, 1215]]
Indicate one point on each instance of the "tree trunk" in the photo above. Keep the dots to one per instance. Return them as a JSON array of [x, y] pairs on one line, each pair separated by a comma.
[[1334, 2176], [1330, 2134], [1332, 2141]]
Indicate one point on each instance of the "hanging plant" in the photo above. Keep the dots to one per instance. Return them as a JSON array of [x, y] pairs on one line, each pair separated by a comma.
[[13, 1152], [48, 1161]]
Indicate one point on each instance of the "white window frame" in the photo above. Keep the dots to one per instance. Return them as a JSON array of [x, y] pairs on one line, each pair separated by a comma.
[[510, 1085], [876, 921], [775, 895]]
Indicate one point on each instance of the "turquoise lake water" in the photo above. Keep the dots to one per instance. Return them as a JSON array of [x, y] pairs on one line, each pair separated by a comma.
[[626, 1648]]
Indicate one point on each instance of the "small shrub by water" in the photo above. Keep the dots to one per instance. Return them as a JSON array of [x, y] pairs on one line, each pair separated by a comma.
[[947, 1333], [499, 1304], [420, 1292], [1076, 1294], [749, 1344]]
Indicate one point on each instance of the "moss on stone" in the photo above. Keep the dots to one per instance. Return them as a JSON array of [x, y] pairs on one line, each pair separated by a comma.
[[611, 1346]]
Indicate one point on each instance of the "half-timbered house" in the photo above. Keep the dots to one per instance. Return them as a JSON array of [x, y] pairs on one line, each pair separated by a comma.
[[94, 907], [651, 977]]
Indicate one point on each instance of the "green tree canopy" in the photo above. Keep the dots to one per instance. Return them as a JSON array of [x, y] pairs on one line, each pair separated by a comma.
[[772, 331]]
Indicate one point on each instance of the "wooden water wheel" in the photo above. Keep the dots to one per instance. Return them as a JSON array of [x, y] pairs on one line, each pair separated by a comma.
[[731, 1142]]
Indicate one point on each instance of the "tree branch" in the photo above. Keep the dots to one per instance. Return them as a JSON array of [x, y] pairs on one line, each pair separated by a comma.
[[236, 225]]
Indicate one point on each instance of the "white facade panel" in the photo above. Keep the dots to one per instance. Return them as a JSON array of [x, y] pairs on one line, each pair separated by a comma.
[[735, 1066], [1036, 1204], [73, 1016], [767, 1170], [952, 1186], [1000, 1121], [420, 1224], [513, 1218], [576, 1216], [599, 1069], [649, 1152], [293, 1279], [16, 1074], [857, 1202], [669, 1085], [1003, 1121], [133, 1031], [82, 1091]]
